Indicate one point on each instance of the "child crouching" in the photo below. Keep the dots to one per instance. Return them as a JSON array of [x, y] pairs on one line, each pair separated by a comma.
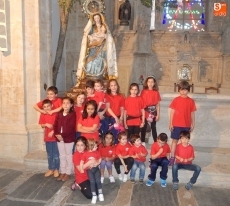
[[160, 152], [139, 153]]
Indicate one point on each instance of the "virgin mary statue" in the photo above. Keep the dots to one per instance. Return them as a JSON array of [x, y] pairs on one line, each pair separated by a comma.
[[98, 53]]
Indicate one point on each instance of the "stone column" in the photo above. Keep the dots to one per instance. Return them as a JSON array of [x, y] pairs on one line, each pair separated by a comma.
[[20, 79]]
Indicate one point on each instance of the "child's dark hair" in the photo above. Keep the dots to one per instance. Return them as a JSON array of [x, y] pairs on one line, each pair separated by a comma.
[[78, 94], [53, 89], [134, 137], [183, 85], [100, 81], [71, 102], [108, 90], [85, 114], [121, 134], [134, 85], [155, 86], [103, 139], [185, 134], [46, 101], [83, 140], [89, 84], [91, 143], [163, 137]]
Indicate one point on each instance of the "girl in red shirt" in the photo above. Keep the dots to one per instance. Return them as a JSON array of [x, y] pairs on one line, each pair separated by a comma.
[[106, 149], [134, 114], [88, 123], [151, 99], [115, 103], [123, 158], [79, 107], [64, 130], [81, 179]]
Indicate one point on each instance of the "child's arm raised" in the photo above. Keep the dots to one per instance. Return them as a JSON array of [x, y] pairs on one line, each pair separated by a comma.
[[37, 108], [55, 110]]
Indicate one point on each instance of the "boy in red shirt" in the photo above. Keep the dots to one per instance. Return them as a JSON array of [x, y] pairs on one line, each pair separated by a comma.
[[159, 157], [182, 116], [123, 157], [184, 157], [139, 153], [56, 102], [47, 122]]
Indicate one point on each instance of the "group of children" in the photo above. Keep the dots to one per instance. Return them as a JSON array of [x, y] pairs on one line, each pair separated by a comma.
[[90, 132]]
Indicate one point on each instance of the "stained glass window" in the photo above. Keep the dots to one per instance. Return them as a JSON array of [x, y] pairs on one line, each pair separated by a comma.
[[180, 15]]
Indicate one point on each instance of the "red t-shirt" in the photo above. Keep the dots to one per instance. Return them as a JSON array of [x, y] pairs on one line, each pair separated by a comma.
[[183, 108], [122, 150], [100, 97], [106, 151], [89, 155], [78, 111], [56, 103], [116, 102], [50, 119], [137, 150], [133, 107], [155, 148], [185, 153], [150, 97], [79, 177], [89, 122]]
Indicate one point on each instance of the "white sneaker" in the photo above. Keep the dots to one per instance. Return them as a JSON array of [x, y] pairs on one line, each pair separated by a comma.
[[125, 178], [102, 180], [143, 143], [94, 199], [101, 197], [111, 179], [120, 177]]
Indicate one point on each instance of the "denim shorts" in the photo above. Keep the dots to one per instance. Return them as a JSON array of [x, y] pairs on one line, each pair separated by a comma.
[[175, 133]]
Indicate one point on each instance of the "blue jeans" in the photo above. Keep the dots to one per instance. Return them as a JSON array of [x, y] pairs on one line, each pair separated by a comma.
[[190, 167], [108, 164], [163, 162], [141, 166], [94, 178], [52, 156]]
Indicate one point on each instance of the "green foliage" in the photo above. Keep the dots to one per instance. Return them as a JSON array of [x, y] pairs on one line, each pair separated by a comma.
[[158, 4], [147, 3], [67, 4]]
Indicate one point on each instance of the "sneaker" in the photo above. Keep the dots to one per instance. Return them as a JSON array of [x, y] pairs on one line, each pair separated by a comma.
[[141, 181], [94, 199], [163, 183], [188, 186], [56, 173], [149, 183], [132, 181], [102, 180], [125, 178], [111, 179], [171, 161], [120, 177], [175, 186], [49, 173], [101, 197]]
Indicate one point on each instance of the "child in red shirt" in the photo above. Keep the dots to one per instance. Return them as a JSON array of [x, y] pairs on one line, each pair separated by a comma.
[[56, 102], [159, 157], [184, 157], [88, 123], [47, 122], [107, 151], [94, 172], [78, 108], [115, 103], [134, 114], [151, 99], [182, 116], [139, 153], [123, 158], [64, 130]]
